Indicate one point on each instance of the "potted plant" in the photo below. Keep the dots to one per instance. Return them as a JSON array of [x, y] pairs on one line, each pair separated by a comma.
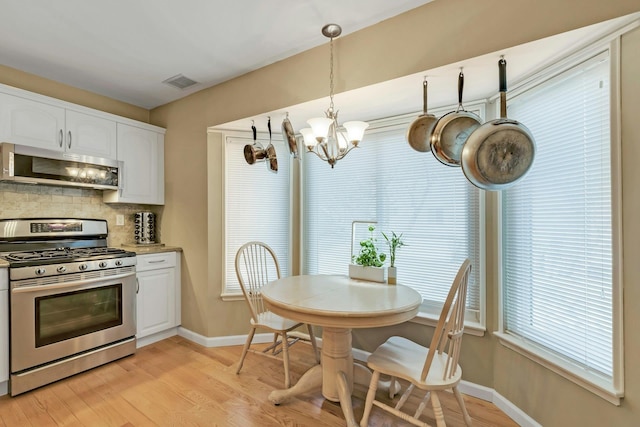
[[367, 265], [394, 243]]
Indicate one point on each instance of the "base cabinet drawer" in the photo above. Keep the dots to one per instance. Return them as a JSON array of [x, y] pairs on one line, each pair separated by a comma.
[[158, 299]]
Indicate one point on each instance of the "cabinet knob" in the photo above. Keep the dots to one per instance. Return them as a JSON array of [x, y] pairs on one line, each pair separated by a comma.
[[69, 144]]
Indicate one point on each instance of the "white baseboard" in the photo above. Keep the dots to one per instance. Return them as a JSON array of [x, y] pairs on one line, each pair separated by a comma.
[[4, 388], [515, 413], [223, 341], [468, 388]]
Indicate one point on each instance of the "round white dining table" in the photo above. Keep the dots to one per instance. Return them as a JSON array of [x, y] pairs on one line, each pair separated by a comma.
[[338, 304]]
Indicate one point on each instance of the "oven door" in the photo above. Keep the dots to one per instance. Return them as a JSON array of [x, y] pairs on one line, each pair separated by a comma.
[[53, 321]]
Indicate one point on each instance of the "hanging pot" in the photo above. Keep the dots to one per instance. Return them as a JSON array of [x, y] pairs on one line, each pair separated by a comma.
[[256, 152], [451, 131], [289, 136], [500, 152], [419, 132]]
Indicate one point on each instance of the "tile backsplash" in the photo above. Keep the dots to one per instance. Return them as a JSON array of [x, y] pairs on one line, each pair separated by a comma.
[[33, 201]]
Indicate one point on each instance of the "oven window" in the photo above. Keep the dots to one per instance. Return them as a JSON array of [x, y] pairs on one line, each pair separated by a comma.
[[63, 316]]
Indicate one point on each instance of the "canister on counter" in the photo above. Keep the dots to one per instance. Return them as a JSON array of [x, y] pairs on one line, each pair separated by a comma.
[[144, 228]]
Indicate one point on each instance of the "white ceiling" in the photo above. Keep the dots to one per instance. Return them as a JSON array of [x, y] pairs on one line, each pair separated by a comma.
[[125, 49]]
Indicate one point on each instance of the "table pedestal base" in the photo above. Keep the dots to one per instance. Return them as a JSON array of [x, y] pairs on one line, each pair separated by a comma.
[[336, 375]]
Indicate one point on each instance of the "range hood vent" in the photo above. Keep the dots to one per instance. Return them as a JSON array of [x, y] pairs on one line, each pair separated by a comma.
[[180, 81]]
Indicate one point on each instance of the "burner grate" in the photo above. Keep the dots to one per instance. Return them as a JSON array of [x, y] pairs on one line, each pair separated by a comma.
[[62, 253]]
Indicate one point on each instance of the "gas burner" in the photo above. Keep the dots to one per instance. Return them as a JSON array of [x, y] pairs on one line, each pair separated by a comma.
[[57, 254], [49, 254]]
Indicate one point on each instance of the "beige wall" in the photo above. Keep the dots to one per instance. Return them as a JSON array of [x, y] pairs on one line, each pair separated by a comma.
[[436, 34]]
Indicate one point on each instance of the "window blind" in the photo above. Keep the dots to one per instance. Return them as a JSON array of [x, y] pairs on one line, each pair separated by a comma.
[[256, 205], [557, 230], [385, 180]]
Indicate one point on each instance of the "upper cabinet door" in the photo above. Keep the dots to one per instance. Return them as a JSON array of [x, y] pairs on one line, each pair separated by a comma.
[[142, 152], [90, 135], [27, 122]]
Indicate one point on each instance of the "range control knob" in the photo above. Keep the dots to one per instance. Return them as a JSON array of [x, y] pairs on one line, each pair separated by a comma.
[[61, 269], [118, 262], [40, 271], [102, 264], [82, 267]]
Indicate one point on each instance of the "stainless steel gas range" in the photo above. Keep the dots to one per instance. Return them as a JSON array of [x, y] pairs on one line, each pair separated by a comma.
[[71, 298]]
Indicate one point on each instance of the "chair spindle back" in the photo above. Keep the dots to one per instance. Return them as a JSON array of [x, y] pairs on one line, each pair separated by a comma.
[[256, 265], [447, 336]]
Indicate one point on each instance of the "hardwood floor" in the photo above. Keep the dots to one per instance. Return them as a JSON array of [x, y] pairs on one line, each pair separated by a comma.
[[175, 382]]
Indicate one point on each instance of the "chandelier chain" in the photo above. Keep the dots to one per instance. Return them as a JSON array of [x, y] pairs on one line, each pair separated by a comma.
[[331, 74]]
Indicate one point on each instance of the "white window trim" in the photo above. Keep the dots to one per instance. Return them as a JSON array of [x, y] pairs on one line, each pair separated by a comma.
[[610, 390]]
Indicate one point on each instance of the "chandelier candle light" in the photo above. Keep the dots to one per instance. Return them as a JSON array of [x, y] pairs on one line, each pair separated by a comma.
[[326, 138]]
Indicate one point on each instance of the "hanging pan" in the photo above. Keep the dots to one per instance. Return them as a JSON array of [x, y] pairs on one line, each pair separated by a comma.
[[419, 132], [500, 152], [451, 131], [289, 137], [272, 160], [256, 152]]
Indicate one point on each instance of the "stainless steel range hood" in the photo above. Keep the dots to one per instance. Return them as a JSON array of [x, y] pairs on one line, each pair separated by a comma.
[[31, 165]]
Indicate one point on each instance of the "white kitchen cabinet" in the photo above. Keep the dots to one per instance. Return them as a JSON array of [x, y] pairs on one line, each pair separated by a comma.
[[142, 152], [39, 124], [158, 301], [90, 135], [32, 123]]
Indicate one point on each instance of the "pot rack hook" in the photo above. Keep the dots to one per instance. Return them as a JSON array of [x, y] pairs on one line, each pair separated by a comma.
[[269, 126]]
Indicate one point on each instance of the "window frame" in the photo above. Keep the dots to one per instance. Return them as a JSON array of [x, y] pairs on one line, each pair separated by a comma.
[[231, 293], [610, 390], [475, 320]]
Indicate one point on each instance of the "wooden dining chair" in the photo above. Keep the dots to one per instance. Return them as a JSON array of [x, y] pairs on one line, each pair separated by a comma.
[[429, 369], [257, 265]]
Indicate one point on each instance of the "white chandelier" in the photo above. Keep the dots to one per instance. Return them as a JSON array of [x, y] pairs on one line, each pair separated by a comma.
[[326, 138]]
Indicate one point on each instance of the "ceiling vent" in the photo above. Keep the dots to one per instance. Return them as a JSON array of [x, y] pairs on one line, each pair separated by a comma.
[[180, 81]]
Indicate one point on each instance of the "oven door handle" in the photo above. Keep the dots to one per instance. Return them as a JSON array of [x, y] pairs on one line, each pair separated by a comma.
[[80, 284]]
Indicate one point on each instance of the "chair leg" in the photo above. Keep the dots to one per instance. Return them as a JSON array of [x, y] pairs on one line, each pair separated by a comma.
[[247, 344], [463, 408], [404, 396], [394, 387], [285, 358], [437, 410], [313, 343], [275, 343], [371, 394]]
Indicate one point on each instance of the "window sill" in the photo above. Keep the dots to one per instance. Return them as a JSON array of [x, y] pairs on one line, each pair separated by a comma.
[[232, 297], [470, 328], [592, 382]]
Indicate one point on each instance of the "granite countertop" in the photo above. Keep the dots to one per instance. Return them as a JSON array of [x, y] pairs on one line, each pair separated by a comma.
[[151, 249]]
